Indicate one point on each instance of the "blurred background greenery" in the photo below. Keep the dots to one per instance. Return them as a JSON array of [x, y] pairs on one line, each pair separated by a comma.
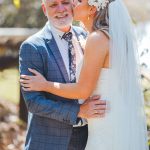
[[18, 14]]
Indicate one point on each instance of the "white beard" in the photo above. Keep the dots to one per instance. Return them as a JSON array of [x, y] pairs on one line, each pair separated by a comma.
[[61, 23]]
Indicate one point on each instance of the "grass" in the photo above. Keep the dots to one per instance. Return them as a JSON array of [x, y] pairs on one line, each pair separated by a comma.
[[9, 85]]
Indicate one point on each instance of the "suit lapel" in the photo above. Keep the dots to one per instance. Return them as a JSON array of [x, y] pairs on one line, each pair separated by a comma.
[[56, 53]]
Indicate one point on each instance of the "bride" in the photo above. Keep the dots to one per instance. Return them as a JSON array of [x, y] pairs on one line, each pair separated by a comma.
[[109, 69]]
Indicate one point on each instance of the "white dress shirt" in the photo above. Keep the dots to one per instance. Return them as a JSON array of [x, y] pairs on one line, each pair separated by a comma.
[[63, 47]]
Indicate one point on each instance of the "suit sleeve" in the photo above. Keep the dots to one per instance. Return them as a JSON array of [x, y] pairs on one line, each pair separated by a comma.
[[36, 102]]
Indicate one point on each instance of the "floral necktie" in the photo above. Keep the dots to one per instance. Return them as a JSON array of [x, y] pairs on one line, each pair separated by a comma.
[[72, 65], [72, 56]]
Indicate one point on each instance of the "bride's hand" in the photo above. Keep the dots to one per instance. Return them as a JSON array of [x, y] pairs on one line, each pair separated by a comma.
[[33, 83]]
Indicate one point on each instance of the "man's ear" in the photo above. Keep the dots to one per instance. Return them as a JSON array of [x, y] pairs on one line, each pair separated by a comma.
[[92, 10], [44, 9]]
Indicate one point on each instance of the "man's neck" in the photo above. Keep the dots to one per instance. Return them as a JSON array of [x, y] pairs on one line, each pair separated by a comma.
[[65, 29]]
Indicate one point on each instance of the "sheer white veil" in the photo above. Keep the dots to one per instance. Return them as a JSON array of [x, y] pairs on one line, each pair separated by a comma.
[[128, 104]]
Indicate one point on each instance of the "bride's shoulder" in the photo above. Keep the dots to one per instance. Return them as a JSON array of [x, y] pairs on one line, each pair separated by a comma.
[[98, 39]]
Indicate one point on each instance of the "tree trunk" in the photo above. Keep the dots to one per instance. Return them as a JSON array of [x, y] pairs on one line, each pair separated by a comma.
[[23, 113]]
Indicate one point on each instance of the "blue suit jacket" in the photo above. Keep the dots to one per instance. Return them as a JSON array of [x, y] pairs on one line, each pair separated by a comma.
[[50, 117]]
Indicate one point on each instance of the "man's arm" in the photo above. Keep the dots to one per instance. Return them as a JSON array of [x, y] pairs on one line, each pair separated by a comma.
[[36, 102]]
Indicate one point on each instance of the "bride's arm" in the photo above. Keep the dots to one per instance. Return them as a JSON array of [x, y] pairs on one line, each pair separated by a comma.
[[96, 49]]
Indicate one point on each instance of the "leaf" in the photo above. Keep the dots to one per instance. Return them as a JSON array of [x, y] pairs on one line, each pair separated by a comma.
[[17, 3]]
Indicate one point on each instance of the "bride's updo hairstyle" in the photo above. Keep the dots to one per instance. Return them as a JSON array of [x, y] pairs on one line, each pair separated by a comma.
[[101, 20]]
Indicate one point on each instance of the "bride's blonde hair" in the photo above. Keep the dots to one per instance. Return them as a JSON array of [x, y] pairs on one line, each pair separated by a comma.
[[101, 20]]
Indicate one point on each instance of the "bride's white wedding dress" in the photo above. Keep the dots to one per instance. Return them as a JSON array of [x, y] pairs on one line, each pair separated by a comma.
[[100, 130], [111, 132]]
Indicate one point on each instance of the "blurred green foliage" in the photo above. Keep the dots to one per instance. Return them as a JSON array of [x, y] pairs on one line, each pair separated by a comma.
[[29, 15], [9, 85]]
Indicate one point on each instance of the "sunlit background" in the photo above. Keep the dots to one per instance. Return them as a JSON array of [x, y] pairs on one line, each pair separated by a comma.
[[20, 19]]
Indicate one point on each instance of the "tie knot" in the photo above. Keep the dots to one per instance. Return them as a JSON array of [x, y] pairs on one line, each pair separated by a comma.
[[67, 36]]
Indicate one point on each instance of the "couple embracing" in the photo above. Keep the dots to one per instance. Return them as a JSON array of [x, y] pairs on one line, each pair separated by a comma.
[[93, 102]]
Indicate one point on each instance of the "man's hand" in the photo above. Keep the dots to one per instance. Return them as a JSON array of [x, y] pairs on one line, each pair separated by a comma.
[[92, 108]]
